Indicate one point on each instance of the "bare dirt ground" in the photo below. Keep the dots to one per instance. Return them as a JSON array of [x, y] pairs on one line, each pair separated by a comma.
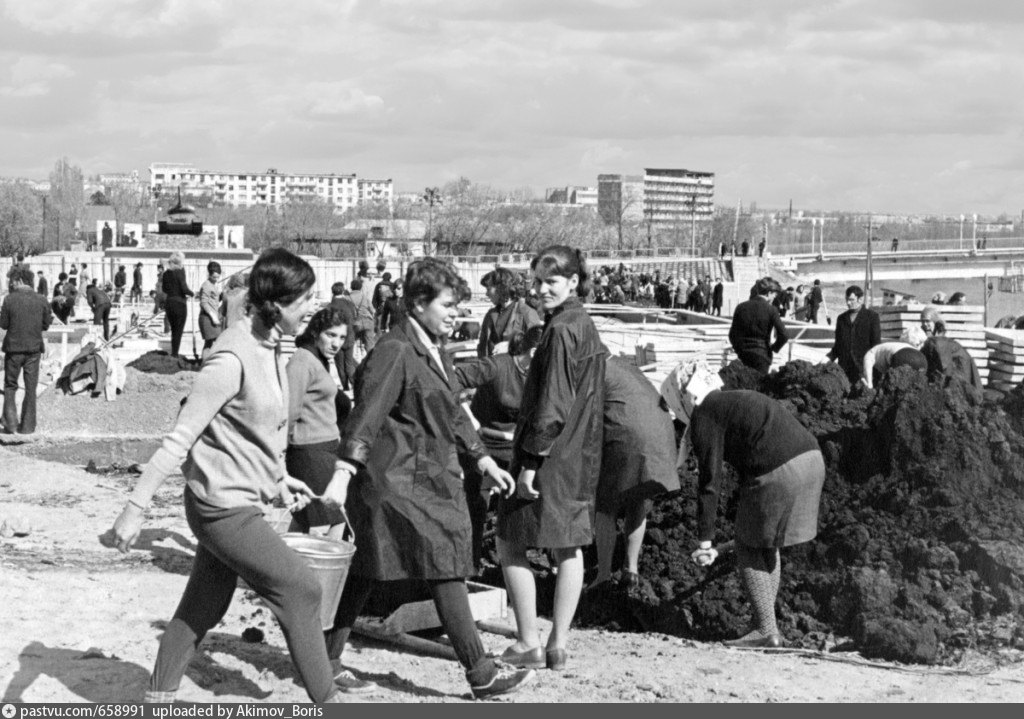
[[81, 622]]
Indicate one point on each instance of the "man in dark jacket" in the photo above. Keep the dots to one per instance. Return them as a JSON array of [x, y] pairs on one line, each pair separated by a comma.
[[25, 315], [136, 291], [99, 303], [717, 297], [857, 330], [752, 325], [814, 302], [43, 287], [120, 281], [345, 361]]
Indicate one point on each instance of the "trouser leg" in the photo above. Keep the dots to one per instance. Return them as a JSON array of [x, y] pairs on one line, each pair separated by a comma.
[[353, 599], [12, 370], [204, 603], [451, 598], [28, 405], [243, 541]]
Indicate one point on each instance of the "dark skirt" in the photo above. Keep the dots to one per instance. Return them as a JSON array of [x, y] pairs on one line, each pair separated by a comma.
[[314, 465], [780, 508], [207, 329]]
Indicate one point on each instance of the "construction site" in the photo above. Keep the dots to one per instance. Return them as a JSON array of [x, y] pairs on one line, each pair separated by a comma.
[[913, 589]]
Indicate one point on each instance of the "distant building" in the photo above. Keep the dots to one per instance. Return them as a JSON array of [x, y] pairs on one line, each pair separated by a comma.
[[571, 195], [674, 198], [620, 197], [271, 187]]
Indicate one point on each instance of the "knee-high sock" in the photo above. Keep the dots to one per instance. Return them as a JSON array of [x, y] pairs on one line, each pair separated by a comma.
[[759, 584]]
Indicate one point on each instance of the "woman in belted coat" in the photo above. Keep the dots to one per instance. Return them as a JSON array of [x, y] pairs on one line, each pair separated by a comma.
[[398, 474]]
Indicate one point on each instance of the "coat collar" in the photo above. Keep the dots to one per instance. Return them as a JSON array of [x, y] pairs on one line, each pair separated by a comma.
[[413, 337], [571, 303]]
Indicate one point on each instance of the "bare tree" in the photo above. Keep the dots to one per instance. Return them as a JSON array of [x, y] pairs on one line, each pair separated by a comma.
[[21, 219]]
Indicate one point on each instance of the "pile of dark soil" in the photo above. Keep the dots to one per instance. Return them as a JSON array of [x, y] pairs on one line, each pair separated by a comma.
[[920, 553]]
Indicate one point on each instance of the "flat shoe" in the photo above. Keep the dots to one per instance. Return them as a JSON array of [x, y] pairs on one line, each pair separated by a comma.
[[555, 659], [770, 641], [530, 659]]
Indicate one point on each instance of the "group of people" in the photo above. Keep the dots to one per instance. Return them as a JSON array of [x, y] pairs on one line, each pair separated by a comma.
[[757, 334], [559, 435]]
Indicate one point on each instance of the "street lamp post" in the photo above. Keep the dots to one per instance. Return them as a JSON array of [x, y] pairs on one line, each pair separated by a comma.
[[431, 196]]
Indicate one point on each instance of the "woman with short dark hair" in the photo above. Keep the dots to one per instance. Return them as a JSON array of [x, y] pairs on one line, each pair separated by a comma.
[[231, 434], [399, 477], [509, 316]]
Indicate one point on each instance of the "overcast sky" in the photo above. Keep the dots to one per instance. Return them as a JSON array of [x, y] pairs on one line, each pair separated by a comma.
[[890, 105]]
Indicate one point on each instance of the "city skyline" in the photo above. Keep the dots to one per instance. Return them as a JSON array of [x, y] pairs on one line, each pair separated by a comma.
[[858, 105]]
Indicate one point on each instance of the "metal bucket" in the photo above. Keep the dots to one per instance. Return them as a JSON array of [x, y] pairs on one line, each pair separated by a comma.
[[330, 560]]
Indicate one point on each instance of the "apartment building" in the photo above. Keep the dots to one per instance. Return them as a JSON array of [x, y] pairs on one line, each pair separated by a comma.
[[271, 187], [673, 198]]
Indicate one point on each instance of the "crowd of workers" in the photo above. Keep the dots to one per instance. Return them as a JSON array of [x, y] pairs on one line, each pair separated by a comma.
[[559, 438]]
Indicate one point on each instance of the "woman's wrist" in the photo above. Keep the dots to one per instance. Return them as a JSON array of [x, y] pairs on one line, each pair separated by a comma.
[[138, 505]]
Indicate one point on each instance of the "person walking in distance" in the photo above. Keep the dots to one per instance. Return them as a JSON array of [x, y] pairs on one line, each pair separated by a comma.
[[176, 292], [365, 315], [135, 295], [99, 303], [120, 281], [25, 315]]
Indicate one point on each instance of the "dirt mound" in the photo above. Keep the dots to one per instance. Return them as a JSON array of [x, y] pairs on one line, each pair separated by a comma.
[[920, 554], [159, 362]]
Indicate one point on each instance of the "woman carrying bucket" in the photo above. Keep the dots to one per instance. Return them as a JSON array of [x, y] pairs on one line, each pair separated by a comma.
[[231, 434], [398, 474], [313, 437]]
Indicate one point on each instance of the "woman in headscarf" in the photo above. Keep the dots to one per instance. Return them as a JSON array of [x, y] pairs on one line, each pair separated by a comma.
[[781, 473], [932, 322]]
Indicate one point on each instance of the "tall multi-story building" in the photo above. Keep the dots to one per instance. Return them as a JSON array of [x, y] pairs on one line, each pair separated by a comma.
[[620, 198], [675, 198], [660, 198], [270, 187]]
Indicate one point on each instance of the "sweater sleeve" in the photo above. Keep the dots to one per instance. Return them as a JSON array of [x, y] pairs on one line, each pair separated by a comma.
[[217, 383], [708, 437], [299, 378]]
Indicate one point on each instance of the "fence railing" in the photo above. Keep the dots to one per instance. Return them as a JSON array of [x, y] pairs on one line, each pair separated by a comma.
[[885, 247]]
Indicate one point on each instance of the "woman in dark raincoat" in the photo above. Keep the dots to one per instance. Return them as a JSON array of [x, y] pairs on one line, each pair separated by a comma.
[[399, 471], [557, 455], [638, 462]]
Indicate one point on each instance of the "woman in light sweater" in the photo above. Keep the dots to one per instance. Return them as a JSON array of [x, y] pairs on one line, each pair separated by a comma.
[[231, 434], [209, 307]]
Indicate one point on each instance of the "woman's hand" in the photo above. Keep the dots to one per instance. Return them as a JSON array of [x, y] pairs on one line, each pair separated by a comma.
[[500, 349], [705, 555], [496, 479], [294, 493], [337, 491], [524, 488], [127, 527]]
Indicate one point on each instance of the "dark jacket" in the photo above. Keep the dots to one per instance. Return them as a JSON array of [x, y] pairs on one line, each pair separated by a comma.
[[717, 295], [137, 278], [43, 287], [120, 279], [96, 297], [559, 433], [751, 331], [25, 315], [344, 304], [854, 340], [499, 382], [949, 362], [174, 284], [500, 325], [407, 503], [391, 314]]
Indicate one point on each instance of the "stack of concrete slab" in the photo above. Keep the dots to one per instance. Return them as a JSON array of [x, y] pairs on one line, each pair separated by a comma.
[[964, 323], [1005, 358]]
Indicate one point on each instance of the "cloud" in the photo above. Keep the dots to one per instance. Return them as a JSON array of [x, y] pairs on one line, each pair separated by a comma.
[[337, 99]]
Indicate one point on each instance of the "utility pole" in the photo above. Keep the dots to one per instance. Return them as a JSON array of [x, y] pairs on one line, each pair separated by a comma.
[[736, 223], [961, 230], [44, 223], [431, 196], [693, 224], [868, 270]]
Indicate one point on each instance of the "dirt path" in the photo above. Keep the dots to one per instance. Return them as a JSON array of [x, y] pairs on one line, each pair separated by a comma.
[[82, 623]]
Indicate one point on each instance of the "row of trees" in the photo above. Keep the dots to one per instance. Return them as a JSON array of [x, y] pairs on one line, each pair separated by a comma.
[[461, 217]]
